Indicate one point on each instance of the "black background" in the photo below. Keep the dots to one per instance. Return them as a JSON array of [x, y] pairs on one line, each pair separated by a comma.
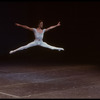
[[79, 33]]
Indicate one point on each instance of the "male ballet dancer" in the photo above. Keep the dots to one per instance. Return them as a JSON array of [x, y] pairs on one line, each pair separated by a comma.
[[39, 34]]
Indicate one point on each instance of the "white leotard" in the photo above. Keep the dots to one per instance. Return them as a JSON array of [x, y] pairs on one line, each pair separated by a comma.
[[38, 36]]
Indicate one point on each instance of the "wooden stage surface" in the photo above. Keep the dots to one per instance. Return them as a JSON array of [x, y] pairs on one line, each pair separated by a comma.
[[49, 81]]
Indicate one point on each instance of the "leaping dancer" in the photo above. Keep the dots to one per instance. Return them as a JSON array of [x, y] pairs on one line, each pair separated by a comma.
[[39, 34]]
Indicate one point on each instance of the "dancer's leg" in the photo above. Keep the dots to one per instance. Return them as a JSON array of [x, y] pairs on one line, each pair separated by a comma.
[[24, 47], [44, 44]]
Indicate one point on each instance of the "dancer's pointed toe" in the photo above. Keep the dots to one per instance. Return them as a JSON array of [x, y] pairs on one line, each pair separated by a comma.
[[11, 52], [61, 49]]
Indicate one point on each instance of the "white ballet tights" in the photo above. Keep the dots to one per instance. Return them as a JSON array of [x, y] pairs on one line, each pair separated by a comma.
[[37, 43]]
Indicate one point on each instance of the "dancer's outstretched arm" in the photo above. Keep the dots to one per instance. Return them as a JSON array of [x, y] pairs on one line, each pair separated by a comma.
[[51, 27], [24, 26]]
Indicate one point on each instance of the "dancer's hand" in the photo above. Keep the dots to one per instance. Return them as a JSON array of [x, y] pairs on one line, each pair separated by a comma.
[[17, 24], [58, 24]]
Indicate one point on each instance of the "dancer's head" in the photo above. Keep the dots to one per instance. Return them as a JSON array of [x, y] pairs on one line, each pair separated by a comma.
[[40, 24]]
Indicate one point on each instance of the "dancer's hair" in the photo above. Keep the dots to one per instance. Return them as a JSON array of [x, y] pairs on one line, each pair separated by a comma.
[[39, 22]]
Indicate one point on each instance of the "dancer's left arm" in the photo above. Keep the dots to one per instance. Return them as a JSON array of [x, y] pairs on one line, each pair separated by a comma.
[[51, 27]]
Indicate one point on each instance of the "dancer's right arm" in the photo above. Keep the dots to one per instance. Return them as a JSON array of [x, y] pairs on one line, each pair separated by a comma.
[[24, 26]]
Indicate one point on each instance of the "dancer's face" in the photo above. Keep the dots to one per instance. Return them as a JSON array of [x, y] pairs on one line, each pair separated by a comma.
[[41, 24]]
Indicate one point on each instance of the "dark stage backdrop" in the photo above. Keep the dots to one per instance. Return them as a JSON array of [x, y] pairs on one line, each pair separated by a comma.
[[79, 33]]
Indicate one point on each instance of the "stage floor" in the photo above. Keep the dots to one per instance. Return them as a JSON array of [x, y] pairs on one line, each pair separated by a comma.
[[49, 81]]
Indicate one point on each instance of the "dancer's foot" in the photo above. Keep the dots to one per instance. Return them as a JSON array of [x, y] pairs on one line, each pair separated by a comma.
[[11, 52], [61, 49]]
